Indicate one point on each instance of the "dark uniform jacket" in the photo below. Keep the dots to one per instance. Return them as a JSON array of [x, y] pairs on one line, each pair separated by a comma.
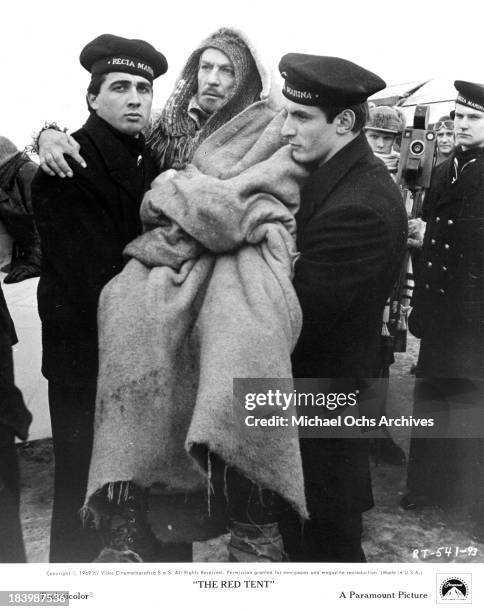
[[352, 236], [352, 230], [449, 295], [84, 224]]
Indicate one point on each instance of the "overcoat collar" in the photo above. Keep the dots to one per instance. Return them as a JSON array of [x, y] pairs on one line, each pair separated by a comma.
[[120, 162], [467, 184], [325, 178]]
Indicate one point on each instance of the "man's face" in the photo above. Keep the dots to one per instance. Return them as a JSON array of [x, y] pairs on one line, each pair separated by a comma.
[[124, 100], [469, 127], [216, 80], [445, 141], [311, 137], [380, 142]]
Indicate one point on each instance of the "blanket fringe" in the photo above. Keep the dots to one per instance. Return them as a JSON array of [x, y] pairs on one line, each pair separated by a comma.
[[209, 483], [403, 321], [386, 318], [119, 489], [226, 488], [91, 516]]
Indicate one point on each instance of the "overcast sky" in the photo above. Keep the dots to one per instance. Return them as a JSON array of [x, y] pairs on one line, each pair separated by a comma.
[[399, 40]]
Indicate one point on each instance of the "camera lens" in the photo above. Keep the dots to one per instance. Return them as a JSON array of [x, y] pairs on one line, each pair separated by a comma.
[[417, 147]]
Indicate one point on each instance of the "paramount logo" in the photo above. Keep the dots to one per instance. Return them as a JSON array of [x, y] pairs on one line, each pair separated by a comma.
[[453, 589]]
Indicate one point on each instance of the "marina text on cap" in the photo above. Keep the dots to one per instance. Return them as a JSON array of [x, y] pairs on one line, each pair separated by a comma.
[[470, 94], [110, 53], [316, 80]]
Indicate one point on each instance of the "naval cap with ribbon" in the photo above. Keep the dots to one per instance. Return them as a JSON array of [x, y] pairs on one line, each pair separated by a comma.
[[110, 53], [470, 94], [316, 80]]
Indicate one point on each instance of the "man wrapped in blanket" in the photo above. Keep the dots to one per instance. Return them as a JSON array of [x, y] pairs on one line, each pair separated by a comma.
[[205, 297]]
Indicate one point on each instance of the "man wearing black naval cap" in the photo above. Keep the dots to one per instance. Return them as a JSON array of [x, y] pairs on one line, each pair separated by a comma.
[[448, 315], [351, 234], [221, 78], [84, 224]]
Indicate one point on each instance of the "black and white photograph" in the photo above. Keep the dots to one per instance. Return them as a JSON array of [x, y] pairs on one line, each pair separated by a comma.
[[241, 304]]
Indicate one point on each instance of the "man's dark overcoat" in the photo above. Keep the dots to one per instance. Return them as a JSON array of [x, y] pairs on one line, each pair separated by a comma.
[[352, 231], [84, 223], [449, 294], [352, 236], [448, 315]]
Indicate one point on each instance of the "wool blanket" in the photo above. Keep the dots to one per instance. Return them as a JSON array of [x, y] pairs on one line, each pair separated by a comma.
[[205, 297]]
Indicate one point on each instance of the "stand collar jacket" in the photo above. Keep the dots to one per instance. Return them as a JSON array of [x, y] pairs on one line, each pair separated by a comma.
[[85, 222], [118, 152], [327, 176]]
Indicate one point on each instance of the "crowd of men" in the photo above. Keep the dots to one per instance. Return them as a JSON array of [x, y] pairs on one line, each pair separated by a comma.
[[309, 181]]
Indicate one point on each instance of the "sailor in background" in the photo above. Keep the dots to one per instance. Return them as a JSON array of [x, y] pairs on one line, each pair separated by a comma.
[[448, 316]]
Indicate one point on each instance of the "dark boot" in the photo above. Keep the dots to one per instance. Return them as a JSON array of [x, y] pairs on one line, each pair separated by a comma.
[[129, 537]]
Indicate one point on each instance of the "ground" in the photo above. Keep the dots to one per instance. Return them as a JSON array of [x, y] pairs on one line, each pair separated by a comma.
[[390, 533]]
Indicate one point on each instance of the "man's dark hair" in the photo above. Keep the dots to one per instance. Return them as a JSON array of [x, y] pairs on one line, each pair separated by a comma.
[[94, 87], [361, 112]]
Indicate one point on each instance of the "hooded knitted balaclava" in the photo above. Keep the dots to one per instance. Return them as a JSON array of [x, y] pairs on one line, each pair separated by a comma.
[[174, 137], [7, 150]]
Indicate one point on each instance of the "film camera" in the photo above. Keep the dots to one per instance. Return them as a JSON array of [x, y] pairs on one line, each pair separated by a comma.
[[417, 153]]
